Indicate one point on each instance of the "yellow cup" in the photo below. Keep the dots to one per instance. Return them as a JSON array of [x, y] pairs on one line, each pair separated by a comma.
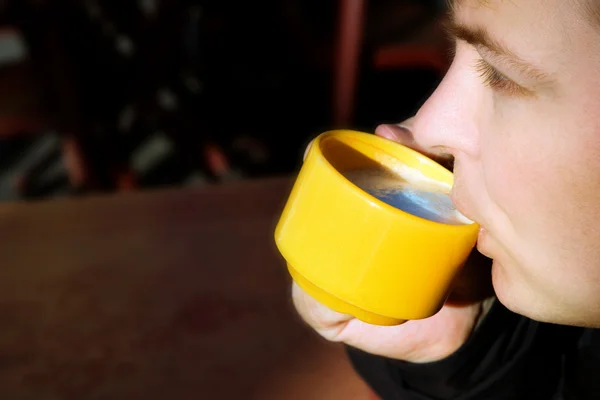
[[357, 254]]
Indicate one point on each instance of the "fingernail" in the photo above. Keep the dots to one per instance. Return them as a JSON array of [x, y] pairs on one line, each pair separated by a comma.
[[387, 131]]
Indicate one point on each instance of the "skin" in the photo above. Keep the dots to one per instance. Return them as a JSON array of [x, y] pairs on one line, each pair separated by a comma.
[[528, 165], [526, 151]]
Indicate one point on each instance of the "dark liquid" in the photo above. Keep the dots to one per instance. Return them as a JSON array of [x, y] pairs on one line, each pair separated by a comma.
[[422, 200]]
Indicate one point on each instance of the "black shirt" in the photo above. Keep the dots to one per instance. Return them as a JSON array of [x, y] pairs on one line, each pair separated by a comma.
[[508, 357]]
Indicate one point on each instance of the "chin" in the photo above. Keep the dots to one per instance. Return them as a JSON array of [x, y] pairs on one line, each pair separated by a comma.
[[521, 299], [504, 289], [515, 295]]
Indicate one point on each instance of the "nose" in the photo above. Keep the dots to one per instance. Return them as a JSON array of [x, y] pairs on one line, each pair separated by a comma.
[[447, 122]]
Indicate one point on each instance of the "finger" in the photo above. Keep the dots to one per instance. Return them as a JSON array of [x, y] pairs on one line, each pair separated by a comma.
[[403, 133], [323, 320]]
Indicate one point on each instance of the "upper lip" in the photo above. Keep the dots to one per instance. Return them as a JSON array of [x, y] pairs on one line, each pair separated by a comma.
[[459, 205]]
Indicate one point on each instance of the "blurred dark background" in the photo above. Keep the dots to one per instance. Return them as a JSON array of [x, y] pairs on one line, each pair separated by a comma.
[[113, 95]]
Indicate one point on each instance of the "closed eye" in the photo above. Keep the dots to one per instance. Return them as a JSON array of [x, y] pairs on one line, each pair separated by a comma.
[[498, 81]]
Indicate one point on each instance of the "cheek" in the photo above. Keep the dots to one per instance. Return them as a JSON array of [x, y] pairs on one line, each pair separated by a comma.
[[542, 181], [535, 163], [543, 178], [515, 173], [514, 181]]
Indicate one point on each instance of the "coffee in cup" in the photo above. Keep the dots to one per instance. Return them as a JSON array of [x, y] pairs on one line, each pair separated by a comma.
[[409, 191]]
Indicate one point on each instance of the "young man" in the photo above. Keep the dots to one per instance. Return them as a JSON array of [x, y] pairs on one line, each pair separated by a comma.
[[519, 112]]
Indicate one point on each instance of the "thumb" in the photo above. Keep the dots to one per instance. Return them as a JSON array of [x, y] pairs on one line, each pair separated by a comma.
[[403, 134]]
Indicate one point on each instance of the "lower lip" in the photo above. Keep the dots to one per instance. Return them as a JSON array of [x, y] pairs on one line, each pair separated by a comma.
[[482, 241]]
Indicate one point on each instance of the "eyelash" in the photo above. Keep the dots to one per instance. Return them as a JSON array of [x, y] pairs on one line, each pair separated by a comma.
[[496, 80]]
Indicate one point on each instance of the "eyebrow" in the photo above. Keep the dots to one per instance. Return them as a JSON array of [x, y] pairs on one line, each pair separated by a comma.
[[480, 37]]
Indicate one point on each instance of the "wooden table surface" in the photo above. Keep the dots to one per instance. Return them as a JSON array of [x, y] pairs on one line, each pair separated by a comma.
[[176, 294]]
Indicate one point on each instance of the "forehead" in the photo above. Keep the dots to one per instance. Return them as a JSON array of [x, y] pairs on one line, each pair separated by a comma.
[[456, 3], [589, 9], [548, 34]]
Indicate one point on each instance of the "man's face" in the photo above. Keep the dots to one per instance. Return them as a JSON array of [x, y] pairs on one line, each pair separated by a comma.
[[520, 111]]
